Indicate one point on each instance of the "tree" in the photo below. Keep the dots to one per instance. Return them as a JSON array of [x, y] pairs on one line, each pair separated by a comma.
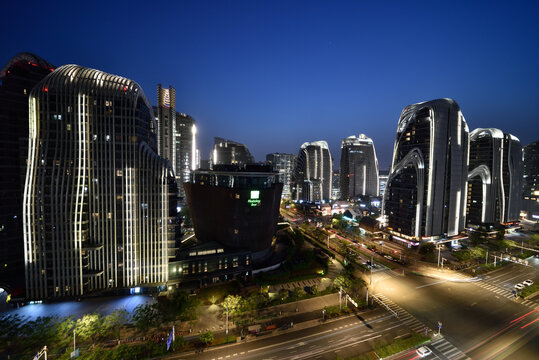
[[179, 342], [283, 293], [145, 316], [314, 289], [206, 337], [500, 234], [233, 304], [115, 320], [426, 249], [89, 325]]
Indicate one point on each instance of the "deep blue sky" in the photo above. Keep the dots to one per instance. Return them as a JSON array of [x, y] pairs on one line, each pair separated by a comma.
[[274, 74]]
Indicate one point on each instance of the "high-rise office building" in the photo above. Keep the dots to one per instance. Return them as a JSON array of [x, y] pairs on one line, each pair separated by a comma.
[[99, 201], [359, 167], [185, 148], [336, 185], [530, 167], [494, 178], [313, 172], [17, 78], [383, 175], [165, 113], [425, 194], [283, 164], [227, 152]]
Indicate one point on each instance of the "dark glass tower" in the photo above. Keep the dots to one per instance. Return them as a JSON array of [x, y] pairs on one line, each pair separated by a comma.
[[425, 195], [313, 172], [494, 179], [227, 152], [98, 201], [283, 164], [359, 167], [530, 196], [17, 78]]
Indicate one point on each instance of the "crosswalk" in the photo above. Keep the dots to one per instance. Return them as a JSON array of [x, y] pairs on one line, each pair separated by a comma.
[[448, 350], [441, 344], [490, 286]]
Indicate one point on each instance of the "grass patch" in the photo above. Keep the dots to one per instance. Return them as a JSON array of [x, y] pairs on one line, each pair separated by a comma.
[[527, 291], [399, 345]]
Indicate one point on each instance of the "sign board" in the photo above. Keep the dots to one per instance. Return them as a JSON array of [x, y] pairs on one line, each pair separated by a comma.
[[75, 354], [254, 200]]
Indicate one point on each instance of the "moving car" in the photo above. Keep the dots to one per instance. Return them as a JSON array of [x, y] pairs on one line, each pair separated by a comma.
[[424, 351]]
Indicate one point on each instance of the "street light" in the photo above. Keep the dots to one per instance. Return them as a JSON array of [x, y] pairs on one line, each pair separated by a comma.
[[226, 320]]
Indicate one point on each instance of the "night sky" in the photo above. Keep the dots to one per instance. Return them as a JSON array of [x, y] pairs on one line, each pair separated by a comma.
[[274, 74]]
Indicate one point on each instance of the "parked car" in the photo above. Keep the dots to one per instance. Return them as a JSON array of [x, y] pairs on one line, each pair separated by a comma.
[[519, 286], [424, 351], [527, 282]]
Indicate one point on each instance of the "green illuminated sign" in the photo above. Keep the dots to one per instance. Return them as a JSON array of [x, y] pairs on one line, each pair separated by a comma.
[[255, 198]]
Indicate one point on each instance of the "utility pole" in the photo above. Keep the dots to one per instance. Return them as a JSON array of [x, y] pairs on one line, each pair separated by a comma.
[[439, 249], [227, 319], [494, 260], [340, 299], [367, 296], [486, 258], [74, 347], [372, 264]]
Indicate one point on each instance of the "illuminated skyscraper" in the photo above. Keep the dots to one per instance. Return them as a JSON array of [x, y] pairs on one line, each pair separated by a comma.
[[98, 200], [185, 148], [313, 172], [495, 177], [283, 164], [166, 124], [359, 167], [530, 202], [227, 152], [17, 78], [425, 194]]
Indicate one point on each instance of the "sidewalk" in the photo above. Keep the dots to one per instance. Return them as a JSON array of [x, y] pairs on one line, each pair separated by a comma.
[[308, 310], [334, 269]]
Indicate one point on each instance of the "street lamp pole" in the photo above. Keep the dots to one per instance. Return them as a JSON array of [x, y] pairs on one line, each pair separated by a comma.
[[340, 299], [439, 249], [226, 320]]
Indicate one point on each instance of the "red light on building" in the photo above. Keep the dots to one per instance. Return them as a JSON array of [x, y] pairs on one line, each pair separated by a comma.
[[45, 88], [125, 87]]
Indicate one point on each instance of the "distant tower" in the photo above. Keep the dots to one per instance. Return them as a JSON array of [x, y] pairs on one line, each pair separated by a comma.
[[185, 149], [495, 177], [17, 78], [98, 200], [283, 164], [425, 194], [530, 199], [166, 124], [359, 167], [228, 152], [313, 173]]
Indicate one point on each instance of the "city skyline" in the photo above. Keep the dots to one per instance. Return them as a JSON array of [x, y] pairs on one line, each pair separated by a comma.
[[273, 75]]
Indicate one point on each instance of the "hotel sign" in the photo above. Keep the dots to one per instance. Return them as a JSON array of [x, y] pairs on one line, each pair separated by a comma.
[[254, 200]]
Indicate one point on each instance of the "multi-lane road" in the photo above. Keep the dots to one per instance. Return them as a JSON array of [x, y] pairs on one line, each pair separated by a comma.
[[480, 319], [345, 337]]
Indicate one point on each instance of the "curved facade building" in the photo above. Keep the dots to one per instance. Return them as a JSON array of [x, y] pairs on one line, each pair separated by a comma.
[[495, 177], [425, 193], [227, 152], [236, 206], [359, 167], [530, 198], [17, 78], [313, 172], [98, 200]]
